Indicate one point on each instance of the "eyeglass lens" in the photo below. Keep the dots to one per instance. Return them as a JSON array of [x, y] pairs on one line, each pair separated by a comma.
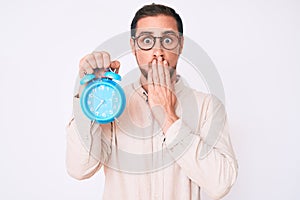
[[147, 41]]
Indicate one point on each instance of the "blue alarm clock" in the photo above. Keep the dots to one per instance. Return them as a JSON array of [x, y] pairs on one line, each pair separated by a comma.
[[103, 99]]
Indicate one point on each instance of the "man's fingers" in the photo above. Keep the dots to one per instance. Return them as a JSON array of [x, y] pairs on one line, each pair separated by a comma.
[[84, 71], [150, 79], [83, 63], [155, 76], [90, 59], [81, 74], [84, 68], [97, 63], [167, 75], [106, 59], [161, 73], [115, 66], [99, 59]]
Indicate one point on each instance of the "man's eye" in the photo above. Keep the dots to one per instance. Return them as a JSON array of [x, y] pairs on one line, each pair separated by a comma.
[[168, 40], [147, 40]]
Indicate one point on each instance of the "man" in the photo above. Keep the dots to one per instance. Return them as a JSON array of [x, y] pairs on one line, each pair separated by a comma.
[[171, 141]]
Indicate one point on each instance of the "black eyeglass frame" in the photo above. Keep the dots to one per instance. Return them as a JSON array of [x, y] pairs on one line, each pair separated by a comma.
[[160, 40]]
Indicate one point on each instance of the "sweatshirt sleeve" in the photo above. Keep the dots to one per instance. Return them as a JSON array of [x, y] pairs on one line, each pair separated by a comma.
[[205, 155], [87, 146]]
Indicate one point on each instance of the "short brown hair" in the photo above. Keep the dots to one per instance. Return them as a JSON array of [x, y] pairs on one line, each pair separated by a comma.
[[155, 10]]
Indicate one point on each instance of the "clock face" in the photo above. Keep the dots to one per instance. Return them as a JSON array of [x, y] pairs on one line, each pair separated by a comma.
[[103, 101]]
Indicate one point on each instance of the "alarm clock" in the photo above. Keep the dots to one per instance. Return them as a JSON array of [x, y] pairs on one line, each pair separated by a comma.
[[102, 100]]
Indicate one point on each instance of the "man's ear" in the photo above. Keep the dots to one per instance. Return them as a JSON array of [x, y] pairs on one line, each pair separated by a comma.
[[181, 44], [132, 45]]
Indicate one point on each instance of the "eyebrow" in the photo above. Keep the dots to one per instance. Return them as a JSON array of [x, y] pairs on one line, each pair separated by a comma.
[[151, 32], [146, 32], [167, 32]]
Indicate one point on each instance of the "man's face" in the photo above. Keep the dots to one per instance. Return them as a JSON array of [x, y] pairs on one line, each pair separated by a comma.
[[157, 26]]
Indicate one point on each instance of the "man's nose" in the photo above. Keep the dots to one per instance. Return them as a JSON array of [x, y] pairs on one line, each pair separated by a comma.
[[158, 49]]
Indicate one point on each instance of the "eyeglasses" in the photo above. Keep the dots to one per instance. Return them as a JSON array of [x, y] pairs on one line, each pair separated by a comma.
[[147, 41]]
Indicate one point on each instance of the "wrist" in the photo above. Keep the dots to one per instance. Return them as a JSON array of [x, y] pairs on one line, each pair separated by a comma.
[[169, 121]]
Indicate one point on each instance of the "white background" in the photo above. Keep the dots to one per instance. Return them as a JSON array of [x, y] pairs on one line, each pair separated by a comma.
[[254, 45]]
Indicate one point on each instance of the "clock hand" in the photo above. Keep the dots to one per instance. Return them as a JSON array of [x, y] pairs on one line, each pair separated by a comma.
[[101, 102]]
